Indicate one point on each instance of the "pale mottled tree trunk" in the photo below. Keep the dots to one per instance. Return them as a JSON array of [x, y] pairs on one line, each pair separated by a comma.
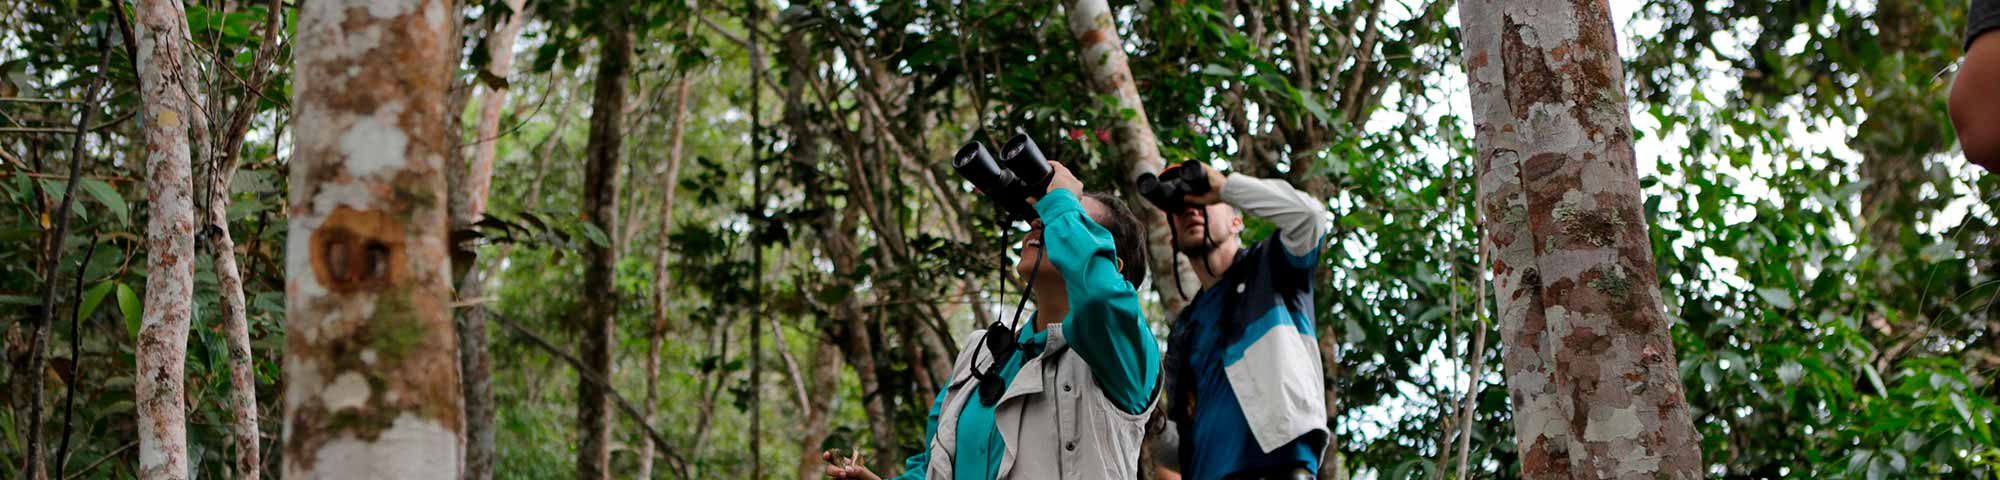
[[244, 424], [1589, 361], [663, 288], [600, 205], [1103, 54], [371, 366], [236, 329], [162, 349]]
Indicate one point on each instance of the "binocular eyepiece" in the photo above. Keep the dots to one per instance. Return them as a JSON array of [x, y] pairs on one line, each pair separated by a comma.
[[1170, 188], [1021, 173]]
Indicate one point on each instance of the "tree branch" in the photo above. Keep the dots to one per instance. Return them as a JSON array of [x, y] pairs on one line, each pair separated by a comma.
[[76, 362], [107, 458], [52, 273], [666, 448]]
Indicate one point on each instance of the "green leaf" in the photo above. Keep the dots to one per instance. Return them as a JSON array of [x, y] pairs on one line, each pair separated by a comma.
[[253, 181], [243, 208], [92, 298], [128, 305], [105, 194], [54, 188], [1312, 105], [29, 300], [1432, 314], [1946, 250], [1777, 297], [1874, 378], [596, 235], [1958, 403], [1790, 372]]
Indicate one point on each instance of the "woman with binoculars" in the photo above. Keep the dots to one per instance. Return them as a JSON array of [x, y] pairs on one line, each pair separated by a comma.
[[1067, 395]]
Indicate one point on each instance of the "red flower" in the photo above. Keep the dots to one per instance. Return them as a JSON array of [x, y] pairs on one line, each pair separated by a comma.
[[1076, 134], [1104, 135]]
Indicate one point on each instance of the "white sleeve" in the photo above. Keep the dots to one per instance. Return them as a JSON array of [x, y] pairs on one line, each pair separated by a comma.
[[1301, 220]]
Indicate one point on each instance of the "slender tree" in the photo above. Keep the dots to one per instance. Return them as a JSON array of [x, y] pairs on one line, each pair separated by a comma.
[[1103, 55], [468, 204], [663, 288], [244, 424], [163, 332], [1590, 364], [371, 366], [600, 207]]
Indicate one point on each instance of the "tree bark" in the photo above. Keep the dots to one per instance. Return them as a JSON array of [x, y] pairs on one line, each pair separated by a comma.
[[805, 148], [818, 421], [600, 204], [1590, 364], [467, 206], [371, 370], [1103, 56], [664, 286], [222, 245], [492, 102], [162, 349], [236, 327]]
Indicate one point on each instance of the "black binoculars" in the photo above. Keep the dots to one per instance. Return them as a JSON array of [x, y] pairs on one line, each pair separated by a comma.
[[1022, 173], [1169, 190]]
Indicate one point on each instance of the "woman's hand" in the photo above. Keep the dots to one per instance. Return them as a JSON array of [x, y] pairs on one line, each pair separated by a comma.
[[846, 467], [1060, 178]]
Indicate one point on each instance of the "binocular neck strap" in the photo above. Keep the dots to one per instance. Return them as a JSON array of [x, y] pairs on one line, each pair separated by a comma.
[[1026, 290]]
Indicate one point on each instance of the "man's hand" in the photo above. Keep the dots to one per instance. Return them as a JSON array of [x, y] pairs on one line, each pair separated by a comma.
[[846, 467], [1060, 178], [1214, 195]]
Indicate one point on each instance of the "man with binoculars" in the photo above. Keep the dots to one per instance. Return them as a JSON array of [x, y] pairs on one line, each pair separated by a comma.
[[1244, 381], [1065, 396]]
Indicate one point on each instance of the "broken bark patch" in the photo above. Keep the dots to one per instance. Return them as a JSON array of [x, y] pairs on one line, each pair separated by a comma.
[[1530, 81], [358, 251]]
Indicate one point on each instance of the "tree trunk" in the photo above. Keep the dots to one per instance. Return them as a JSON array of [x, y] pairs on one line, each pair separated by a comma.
[[600, 205], [1103, 54], [245, 424], [467, 206], [162, 349], [859, 348], [1589, 362], [371, 372], [818, 421], [492, 102], [663, 288], [236, 327]]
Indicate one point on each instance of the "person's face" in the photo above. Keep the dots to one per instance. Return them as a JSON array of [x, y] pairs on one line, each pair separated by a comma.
[[1202, 226], [1031, 249]]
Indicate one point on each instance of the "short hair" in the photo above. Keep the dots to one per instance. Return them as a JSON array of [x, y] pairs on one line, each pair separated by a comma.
[[1127, 235]]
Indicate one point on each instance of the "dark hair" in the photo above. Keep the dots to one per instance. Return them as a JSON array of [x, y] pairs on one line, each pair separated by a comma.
[[1126, 234]]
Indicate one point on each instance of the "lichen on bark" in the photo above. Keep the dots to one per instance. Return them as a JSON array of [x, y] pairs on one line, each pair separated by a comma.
[[163, 332], [371, 354], [1590, 364]]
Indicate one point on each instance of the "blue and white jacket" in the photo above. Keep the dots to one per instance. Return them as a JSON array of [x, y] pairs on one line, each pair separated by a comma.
[[1262, 333]]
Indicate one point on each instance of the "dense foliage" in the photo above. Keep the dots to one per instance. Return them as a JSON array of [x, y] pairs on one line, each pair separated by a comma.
[[1828, 256]]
